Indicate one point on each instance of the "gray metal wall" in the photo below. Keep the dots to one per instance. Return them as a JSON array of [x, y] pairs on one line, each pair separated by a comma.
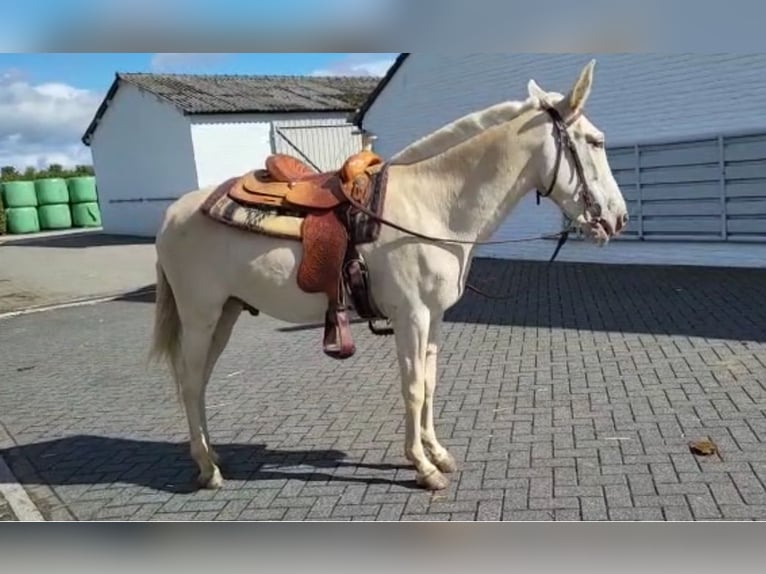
[[703, 189]]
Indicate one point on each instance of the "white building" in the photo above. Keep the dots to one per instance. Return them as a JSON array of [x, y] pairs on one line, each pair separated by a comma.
[[157, 136], [686, 136]]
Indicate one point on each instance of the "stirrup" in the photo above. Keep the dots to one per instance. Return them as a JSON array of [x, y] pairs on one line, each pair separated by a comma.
[[338, 343]]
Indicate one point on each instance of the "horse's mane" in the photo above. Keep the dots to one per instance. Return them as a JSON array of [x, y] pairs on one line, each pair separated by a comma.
[[461, 130]]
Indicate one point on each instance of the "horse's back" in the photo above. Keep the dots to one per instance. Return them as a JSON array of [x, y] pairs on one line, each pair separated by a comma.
[[182, 210], [210, 257]]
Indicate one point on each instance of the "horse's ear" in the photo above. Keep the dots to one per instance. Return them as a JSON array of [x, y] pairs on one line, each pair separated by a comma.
[[538, 93], [578, 96]]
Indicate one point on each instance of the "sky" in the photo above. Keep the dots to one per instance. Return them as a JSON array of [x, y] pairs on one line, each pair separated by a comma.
[[48, 100]]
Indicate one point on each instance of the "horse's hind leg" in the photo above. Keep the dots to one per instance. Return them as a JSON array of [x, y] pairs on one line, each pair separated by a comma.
[[197, 335], [231, 312]]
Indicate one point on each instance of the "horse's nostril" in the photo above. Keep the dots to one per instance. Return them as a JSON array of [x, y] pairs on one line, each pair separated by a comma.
[[622, 222]]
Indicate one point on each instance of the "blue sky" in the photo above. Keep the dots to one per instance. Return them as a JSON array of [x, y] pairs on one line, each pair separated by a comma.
[[47, 100], [29, 15]]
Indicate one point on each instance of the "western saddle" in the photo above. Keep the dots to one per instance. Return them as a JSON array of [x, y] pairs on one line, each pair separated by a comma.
[[332, 228]]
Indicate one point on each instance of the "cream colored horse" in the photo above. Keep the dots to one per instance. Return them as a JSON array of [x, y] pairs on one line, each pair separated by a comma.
[[458, 183]]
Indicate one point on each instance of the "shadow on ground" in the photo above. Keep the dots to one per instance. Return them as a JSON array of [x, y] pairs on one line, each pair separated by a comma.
[[702, 302], [78, 241], [715, 303], [146, 294], [168, 467]]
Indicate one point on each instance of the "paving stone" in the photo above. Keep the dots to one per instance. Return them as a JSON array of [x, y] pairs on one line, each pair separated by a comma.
[[677, 513], [593, 508], [6, 514], [635, 514], [703, 506], [490, 510], [389, 512]]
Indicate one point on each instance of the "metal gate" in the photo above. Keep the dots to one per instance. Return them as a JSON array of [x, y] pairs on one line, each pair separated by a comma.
[[324, 146]]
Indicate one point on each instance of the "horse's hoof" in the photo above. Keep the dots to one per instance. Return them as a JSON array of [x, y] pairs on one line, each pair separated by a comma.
[[214, 482], [214, 456], [446, 463], [434, 480]]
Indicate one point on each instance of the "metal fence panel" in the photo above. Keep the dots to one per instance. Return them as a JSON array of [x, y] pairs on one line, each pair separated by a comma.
[[707, 189]]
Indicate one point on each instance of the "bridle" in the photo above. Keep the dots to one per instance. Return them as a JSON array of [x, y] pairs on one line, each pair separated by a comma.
[[563, 141], [561, 135]]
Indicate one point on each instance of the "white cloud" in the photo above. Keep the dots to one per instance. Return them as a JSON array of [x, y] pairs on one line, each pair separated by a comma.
[[358, 65], [42, 124]]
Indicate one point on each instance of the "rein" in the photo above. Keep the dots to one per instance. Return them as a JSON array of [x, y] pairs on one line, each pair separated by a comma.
[[562, 140], [431, 238]]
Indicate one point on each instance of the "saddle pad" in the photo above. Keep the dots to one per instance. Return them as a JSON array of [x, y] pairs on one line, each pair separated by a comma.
[[221, 208]]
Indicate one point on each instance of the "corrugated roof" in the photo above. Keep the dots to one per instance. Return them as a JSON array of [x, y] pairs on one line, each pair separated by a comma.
[[226, 94]]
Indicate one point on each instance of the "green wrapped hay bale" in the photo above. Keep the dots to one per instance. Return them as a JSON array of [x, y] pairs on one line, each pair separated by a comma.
[[54, 216], [19, 194], [2, 216], [22, 220], [82, 189], [51, 191], [86, 214]]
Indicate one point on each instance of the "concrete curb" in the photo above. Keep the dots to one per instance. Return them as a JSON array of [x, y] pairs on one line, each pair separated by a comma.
[[16, 497], [90, 300]]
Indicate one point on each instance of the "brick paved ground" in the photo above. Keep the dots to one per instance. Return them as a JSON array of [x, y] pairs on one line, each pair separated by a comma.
[[576, 401], [5, 510]]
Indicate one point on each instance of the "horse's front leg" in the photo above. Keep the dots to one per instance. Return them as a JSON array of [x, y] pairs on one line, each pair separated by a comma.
[[434, 450], [411, 331]]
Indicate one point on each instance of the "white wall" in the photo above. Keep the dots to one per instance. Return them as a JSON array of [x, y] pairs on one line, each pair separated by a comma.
[[635, 98], [141, 149], [227, 145]]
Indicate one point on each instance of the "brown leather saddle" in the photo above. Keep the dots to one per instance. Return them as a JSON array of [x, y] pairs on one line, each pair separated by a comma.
[[332, 228], [289, 183]]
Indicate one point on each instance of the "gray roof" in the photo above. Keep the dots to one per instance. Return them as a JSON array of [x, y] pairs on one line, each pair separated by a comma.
[[226, 94]]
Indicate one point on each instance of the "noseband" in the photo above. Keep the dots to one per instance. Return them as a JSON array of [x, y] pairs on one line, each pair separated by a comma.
[[561, 135]]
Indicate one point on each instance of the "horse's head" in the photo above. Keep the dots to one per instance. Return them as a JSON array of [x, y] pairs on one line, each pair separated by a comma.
[[572, 167]]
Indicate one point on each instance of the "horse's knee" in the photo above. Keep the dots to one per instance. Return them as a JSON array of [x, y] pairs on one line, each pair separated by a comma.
[[414, 395]]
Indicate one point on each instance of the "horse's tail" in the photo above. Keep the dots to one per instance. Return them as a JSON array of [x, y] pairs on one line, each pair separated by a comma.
[[167, 324]]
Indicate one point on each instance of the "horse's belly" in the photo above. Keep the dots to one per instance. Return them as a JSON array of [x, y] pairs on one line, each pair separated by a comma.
[[269, 283]]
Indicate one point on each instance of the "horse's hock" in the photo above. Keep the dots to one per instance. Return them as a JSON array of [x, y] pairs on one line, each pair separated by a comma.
[[325, 211]]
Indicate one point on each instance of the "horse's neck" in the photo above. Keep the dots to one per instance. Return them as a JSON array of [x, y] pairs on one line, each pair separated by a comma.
[[467, 191]]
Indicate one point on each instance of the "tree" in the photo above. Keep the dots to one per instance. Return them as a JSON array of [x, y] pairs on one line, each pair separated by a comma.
[[8, 173], [81, 170], [55, 170]]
